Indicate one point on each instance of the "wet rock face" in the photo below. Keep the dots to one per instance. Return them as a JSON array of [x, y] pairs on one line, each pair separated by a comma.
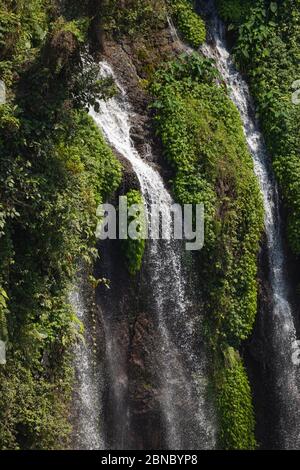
[[258, 349], [123, 65], [130, 349], [257, 353], [86, 412], [129, 178], [143, 387], [131, 418], [133, 62]]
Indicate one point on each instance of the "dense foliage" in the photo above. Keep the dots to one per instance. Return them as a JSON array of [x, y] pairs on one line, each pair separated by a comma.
[[203, 140], [135, 17], [134, 247], [23, 27], [267, 45], [55, 169], [190, 25], [234, 404], [233, 11]]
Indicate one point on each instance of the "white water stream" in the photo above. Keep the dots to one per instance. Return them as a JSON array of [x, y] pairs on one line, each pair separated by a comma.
[[88, 417]]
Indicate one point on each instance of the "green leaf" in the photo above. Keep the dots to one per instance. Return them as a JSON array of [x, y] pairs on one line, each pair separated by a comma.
[[273, 7]]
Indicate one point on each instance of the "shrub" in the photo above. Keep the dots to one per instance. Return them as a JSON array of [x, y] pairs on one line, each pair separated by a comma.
[[234, 11], [136, 18], [23, 28], [190, 25], [235, 404]]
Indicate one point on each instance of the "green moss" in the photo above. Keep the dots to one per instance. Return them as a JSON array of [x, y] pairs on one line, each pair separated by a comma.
[[190, 25], [133, 248], [235, 404]]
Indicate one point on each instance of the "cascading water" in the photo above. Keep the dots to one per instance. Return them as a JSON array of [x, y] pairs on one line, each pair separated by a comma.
[[181, 364], [88, 432], [173, 30], [176, 39], [283, 332]]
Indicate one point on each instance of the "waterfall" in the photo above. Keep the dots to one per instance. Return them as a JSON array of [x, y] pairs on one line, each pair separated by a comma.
[[176, 39], [173, 30], [181, 368], [283, 332], [88, 428]]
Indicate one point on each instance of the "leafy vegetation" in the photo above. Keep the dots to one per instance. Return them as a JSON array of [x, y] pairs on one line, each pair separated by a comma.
[[267, 49], [233, 11], [204, 142], [135, 18], [55, 169], [190, 25], [234, 403], [23, 27]]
